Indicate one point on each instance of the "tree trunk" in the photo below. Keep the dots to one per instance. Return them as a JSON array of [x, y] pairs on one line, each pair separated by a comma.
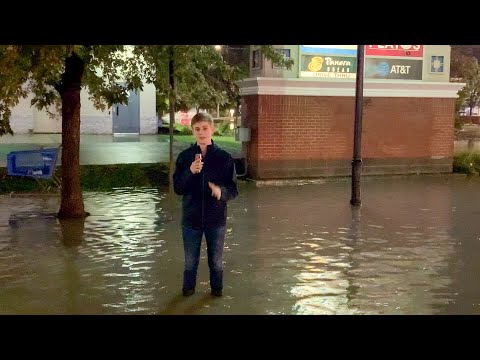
[[71, 195], [171, 95], [72, 231]]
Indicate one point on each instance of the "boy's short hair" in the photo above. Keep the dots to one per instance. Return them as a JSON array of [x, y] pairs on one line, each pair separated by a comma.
[[201, 117]]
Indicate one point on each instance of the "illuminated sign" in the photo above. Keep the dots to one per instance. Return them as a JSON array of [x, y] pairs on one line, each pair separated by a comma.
[[328, 66], [406, 69], [339, 50], [437, 64], [394, 50]]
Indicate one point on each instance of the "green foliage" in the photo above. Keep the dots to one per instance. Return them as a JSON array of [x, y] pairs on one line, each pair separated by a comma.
[[458, 121], [223, 129], [461, 63], [277, 59], [95, 178], [182, 129], [162, 104], [107, 177], [467, 163], [203, 76], [39, 70], [465, 68], [227, 143]]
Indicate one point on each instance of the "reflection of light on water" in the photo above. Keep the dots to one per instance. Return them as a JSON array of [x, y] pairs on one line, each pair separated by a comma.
[[404, 276], [122, 236], [320, 290], [388, 271], [413, 261], [321, 293]]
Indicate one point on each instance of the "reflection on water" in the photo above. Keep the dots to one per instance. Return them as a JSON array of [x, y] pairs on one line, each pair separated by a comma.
[[411, 248]]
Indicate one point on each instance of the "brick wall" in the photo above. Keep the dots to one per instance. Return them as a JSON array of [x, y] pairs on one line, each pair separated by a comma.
[[308, 136]]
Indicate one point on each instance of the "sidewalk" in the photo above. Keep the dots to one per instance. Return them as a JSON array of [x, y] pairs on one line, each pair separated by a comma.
[[84, 138], [100, 149]]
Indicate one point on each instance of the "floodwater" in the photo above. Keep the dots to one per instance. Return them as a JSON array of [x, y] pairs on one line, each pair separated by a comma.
[[412, 248]]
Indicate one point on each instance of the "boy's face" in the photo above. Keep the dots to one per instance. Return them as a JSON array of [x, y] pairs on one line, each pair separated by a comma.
[[203, 132]]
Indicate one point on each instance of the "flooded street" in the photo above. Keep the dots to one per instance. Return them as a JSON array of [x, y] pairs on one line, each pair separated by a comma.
[[412, 248]]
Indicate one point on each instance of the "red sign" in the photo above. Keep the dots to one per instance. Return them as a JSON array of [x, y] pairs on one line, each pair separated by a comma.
[[394, 50]]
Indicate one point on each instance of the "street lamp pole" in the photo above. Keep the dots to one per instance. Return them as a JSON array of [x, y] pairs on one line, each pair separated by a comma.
[[357, 135], [172, 96]]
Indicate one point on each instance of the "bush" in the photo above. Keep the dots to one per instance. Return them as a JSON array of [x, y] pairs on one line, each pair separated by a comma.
[[95, 178], [223, 129], [183, 129], [467, 163], [458, 122]]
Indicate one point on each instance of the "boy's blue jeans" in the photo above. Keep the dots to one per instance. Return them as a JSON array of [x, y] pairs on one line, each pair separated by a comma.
[[192, 240]]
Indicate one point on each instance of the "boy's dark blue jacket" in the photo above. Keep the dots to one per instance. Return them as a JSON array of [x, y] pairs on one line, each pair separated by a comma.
[[200, 208]]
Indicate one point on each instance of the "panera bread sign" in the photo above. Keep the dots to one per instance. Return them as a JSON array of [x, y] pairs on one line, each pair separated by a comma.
[[395, 50], [336, 67]]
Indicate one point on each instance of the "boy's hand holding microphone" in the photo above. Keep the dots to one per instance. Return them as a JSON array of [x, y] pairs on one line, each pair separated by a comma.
[[196, 168], [197, 164]]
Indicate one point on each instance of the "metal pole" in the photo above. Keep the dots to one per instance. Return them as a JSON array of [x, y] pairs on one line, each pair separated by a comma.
[[357, 135], [171, 78]]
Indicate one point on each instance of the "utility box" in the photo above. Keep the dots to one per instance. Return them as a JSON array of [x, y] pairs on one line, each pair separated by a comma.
[[242, 134]]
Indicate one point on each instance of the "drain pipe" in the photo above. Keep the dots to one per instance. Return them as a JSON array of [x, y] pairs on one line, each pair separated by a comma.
[[246, 163], [245, 152]]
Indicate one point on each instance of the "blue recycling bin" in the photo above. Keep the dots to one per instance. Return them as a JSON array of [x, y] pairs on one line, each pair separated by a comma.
[[38, 164]]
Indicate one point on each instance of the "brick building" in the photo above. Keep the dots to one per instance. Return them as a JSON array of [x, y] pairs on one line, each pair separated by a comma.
[[301, 120]]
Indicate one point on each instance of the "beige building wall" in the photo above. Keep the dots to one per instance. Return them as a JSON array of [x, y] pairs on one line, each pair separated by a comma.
[[269, 70], [26, 118]]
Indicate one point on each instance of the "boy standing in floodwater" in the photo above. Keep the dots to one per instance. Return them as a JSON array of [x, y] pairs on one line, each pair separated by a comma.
[[205, 176]]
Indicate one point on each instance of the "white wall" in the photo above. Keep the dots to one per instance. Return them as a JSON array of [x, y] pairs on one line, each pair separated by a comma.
[[436, 50], [21, 120], [92, 121], [148, 114], [43, 123]]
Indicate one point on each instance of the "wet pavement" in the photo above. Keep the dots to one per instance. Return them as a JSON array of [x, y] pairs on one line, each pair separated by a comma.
[[104, 149], [412, 248], [141, 149]]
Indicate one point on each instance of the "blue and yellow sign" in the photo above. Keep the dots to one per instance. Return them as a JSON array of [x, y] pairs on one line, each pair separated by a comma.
[[328, 66]]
